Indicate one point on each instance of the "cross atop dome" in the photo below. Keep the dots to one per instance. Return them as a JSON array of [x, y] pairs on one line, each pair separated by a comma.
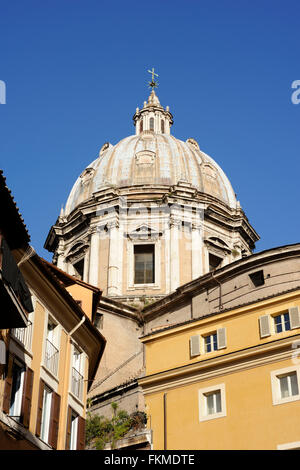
[[153, 84], [153, 117]]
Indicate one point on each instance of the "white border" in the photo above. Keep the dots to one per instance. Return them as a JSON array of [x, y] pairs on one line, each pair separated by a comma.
[[276, 396], [202, 406]]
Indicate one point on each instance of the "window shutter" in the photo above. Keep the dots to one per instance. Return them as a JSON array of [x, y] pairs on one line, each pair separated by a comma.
[[294, 317], [68, 433], [8, 386], [40, 408], [81, 433], [221, 338], [264, 326], [195, 345], [54, 420], [26, 399]]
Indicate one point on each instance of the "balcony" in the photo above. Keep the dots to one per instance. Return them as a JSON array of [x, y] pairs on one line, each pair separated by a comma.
[[51, 357], [77, 383], [23, 335]]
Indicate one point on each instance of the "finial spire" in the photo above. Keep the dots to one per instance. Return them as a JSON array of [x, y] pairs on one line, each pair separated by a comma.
[[153, 84]]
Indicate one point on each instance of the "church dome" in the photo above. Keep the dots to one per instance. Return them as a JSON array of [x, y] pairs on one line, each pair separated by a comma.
[[152, 157]]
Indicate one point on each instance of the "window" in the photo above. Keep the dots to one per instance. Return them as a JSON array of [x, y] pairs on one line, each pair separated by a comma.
[[99, 319], [51, 350], [257, 278], [144, 264], [79, 268], [212, 402], [141, 125], [75, 436], [18, 373], [18, 391], [152, 124], [211, 343], [282, 322], [285, 385], [162, 123], [73, 430], [214, 262], [288, 385], [77, 375], [45, 425], [48, 415]]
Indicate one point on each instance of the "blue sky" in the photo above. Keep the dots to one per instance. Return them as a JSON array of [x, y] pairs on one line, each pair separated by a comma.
[[76, 70]]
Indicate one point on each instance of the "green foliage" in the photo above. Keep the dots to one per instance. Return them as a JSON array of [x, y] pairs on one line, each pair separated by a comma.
[[101, 431]]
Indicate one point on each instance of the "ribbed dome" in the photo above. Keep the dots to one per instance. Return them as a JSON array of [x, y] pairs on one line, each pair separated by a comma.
[[151, 158]]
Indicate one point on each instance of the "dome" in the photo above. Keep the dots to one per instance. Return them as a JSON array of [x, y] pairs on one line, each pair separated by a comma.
[[152, 157]]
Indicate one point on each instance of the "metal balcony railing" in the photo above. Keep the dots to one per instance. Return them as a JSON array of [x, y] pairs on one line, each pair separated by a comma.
[[23, 335], [77, 383], [51, 357]]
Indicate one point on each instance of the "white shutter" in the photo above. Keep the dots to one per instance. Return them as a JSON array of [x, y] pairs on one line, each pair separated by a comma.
[[264, 326], [195, 345], [221, 338], [294, 317]]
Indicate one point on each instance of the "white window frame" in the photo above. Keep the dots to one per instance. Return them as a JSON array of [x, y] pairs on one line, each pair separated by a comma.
[[74, 431], [80, 370], [130, 263], [275, 384], [46, 413], [211, 336], [54, 338], [271, 327], [289, 446], [281, 315], [202, 400]]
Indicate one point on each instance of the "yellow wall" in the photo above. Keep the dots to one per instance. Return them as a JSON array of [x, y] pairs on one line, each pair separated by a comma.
[[170, 349], [252, 421], [84, 295]]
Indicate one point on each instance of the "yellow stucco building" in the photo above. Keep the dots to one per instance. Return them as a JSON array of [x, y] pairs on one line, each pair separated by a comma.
[[227, 380]]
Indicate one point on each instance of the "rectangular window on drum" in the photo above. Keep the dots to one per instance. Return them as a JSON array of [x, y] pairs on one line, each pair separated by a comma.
[[144, 264]]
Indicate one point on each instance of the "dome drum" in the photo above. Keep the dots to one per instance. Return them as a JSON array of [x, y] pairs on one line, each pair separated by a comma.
[[152, 212]]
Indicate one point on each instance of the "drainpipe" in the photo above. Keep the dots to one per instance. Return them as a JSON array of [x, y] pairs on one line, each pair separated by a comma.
[[77, 326], [220, 291], [165, 421]]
